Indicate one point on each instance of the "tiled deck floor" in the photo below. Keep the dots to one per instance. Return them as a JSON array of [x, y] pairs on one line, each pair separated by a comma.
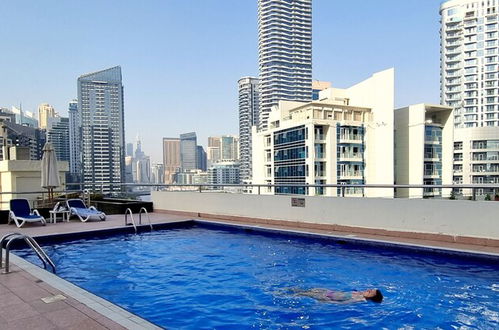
[[20, 292]]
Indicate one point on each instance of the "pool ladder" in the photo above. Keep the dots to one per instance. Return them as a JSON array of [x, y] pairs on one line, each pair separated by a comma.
[[12, 237], [142, 210]]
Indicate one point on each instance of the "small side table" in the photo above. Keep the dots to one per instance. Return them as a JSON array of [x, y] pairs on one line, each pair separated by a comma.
[[63, 213]]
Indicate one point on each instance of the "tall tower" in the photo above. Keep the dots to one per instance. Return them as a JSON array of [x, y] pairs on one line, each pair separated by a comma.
[[171, 158], [74, 142], [284, 53], [188, 151], [248, 116], [58, 134], [100, 103], [469, 80], [45, 113]]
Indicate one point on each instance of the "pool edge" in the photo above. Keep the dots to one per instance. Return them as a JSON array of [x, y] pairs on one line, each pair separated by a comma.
[[102, 306], [353, 238]]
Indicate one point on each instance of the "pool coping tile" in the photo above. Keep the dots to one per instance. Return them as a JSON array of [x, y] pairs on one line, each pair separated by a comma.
[[94, 302]]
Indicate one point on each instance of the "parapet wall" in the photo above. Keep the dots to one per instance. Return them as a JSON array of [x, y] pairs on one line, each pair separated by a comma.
[[472, 222]]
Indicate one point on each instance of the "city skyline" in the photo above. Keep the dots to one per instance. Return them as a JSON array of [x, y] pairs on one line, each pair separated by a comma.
[[342, 37]]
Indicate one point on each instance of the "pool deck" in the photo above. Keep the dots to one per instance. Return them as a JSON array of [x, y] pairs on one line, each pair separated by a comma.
[[65, 306]]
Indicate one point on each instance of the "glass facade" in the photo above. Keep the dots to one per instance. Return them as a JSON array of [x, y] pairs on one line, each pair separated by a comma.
[[290, 153]]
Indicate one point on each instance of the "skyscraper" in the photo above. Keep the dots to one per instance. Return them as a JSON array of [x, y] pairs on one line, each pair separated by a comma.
[[46, 112], [171, 158], [284, 53], [74, 142], [129, 149], [229, 147], [100, 102], [201, 158], [58, 134], [188, 150], [249, 96], [469, 83]]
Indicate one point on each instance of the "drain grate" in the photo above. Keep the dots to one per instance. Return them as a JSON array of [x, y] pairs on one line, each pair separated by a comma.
[[51, 299]]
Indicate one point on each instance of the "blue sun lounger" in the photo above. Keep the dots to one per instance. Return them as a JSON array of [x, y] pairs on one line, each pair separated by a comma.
[[78, 208], [20, 212]]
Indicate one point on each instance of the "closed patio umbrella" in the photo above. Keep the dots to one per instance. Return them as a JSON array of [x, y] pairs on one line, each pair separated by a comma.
[[50, 172]]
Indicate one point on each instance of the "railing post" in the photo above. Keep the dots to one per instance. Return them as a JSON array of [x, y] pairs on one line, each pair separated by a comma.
[[258, 190]]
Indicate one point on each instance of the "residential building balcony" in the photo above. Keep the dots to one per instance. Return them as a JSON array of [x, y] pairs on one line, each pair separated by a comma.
[[350, 175], [351, 157]]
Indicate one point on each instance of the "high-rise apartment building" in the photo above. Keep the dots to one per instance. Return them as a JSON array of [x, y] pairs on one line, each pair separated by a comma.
[[249, 96], [46, 113], [58, 134], [188, 151], [100, 103], [229, 147], [284, 53], [345, 138], [74, 142], [213, 153], [171, 158], [470, 84]]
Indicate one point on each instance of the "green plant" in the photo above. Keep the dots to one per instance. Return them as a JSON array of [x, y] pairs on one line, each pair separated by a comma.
[[487, 197]]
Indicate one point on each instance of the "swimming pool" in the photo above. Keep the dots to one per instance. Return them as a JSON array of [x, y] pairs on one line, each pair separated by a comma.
[[210, 276]]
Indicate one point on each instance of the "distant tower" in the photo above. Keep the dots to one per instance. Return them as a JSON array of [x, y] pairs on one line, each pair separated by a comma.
[[171, 158], [188, 150], [284, 53], [100, 102], [201, 158], [213, 153], [249, 96], [45, 113], [129, 149], [58, 134], [74, 142]]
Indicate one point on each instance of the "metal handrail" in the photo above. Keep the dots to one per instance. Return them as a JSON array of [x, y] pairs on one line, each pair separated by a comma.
[[128, 210], [45, 259], [148, 217]]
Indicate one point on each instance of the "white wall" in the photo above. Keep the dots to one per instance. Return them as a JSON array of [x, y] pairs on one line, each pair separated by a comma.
[[450, 217], [377, 93]]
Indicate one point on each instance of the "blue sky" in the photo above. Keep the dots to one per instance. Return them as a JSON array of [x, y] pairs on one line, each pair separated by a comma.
[[181, 59]]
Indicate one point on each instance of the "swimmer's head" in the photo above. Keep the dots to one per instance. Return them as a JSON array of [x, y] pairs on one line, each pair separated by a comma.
[[373, 295]]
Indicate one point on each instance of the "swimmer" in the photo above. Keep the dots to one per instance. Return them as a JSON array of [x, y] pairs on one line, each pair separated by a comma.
[[332, 296]]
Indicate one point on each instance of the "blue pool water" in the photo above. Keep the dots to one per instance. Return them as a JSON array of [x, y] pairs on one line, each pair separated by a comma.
[[201, 277]]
